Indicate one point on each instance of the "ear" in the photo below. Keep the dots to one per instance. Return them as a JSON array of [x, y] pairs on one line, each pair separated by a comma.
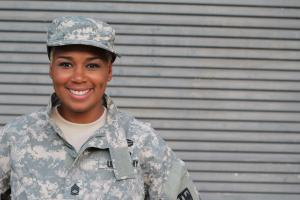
[[110, 71], [50, 71]]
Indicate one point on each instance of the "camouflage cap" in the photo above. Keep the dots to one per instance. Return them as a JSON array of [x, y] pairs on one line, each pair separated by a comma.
[[70, 30]]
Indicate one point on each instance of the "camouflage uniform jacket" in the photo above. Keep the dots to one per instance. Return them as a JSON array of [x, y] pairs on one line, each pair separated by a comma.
[[124, 160]]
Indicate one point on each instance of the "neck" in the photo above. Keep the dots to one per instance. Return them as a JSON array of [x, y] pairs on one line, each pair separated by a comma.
[[81, 117]]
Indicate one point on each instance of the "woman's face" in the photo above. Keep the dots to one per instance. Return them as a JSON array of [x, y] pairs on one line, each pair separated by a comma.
[[80, 76]]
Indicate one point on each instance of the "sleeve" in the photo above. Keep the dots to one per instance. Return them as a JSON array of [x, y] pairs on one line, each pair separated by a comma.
[[4, 163], [166, 176]]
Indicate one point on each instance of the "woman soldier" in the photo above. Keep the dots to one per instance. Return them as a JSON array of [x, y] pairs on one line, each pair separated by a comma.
[[81, 146]]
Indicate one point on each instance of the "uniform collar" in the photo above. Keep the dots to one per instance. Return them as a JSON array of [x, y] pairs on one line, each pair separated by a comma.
[[115, 138]]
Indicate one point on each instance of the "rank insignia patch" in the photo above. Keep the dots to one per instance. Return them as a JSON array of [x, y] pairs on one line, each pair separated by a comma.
[[75, 190]]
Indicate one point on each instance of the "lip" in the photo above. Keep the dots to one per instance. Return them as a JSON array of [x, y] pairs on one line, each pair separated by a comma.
[[79, 94]]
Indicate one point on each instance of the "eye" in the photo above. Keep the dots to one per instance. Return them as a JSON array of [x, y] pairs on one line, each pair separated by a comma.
[[65, 65], [93, 66]]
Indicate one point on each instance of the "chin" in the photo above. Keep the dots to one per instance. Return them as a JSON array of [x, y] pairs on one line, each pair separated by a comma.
[[79, 110]]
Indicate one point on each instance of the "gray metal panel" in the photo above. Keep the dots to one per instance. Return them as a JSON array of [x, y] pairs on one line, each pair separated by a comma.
[[218, 79]]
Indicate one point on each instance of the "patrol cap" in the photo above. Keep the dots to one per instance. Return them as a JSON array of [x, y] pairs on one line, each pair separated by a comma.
[[71, 30]]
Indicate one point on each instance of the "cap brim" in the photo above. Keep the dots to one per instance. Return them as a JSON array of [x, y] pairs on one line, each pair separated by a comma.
[[72, 42]]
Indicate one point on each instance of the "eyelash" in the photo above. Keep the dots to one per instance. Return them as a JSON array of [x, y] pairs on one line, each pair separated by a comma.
[[69, 65], [92, 66], [64, 65]]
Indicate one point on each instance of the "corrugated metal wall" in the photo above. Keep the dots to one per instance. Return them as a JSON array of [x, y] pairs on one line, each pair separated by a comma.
[[219, 79]]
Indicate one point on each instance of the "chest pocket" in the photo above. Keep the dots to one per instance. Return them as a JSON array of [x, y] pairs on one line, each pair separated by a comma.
[[97, 162], [108, 163], [102, 173], [35, 172]]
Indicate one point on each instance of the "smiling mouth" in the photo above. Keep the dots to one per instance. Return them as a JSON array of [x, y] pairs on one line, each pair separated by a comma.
[[79, 92]]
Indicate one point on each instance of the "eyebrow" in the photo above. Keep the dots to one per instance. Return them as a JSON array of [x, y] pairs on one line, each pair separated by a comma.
[[71, 58], [94, 58], [65, 57]]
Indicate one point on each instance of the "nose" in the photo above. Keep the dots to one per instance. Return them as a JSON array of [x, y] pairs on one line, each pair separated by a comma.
[[78, 75]]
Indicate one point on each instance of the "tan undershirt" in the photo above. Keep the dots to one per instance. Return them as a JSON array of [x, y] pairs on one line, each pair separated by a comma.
[[77, 134]]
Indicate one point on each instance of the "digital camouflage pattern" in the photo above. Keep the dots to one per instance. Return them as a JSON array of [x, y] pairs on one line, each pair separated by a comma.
[[81, 30], [124, 160]]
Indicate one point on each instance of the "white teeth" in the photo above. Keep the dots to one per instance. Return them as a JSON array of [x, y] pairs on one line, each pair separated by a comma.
[[79, 93]]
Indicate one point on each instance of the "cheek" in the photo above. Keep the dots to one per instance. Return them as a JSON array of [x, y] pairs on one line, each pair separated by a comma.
[[100, 79], [101, 82], [58, 78]]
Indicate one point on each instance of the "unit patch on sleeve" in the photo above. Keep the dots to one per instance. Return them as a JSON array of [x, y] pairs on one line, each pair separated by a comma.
[[185, 195]]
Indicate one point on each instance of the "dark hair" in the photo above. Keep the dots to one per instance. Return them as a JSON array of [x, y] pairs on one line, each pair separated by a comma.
[[107, 56]]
